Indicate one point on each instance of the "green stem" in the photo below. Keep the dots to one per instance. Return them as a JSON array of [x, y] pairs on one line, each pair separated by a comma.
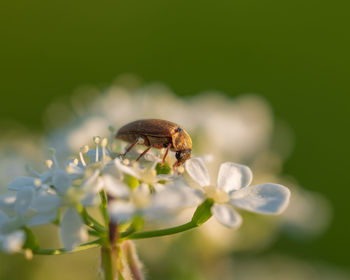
[[89, 221], [85, 246], [107, 263], [200, 216], [162, 232], [103, 207]]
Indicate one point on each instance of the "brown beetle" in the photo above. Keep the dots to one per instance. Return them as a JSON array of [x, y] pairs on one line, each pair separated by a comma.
[[157, 134]]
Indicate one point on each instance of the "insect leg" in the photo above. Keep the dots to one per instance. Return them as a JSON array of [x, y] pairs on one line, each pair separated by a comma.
[[166, 154], [143, 153], [130, 147]]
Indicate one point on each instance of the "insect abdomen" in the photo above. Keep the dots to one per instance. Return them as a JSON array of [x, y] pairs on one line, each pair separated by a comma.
[[149, 127], [127, 137]]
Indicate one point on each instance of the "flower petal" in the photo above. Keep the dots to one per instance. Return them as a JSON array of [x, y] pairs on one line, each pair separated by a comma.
[[93, 182], [7, 204], [23, 200], [125, 169], [3, 218], [21, 182], [42, 218], [90, 199], [234, 176], [115, 187], [265, 198], [72, 229], [196, 168], [45, 202], [121, 211], [62, 181], [13, 242], [174, 198], [226, 215]]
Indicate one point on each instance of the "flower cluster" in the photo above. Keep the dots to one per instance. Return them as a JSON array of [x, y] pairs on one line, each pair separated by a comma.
[[129, 194]]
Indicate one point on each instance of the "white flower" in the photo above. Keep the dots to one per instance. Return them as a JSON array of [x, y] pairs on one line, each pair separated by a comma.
[[145, 174], [72, 229], [16, 213], [233, 189], [171, 198]]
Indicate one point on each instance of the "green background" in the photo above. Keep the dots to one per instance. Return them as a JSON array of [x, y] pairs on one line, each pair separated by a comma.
[[294, 53]]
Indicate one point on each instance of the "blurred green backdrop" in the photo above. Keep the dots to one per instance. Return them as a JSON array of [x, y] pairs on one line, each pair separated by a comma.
[[294, 53]]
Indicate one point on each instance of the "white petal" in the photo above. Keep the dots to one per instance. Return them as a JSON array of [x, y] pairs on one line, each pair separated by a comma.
[[20, 182], [42, 218], [143, 189], [13, 242], [125, 169], [265, 198], [169, 198], [175, 198], [196, 168], [93, 183], [46, 177], [7, 204], [234, 176], [121, 211], [75, 170], [91, 180], [23, 200], [158, 187], [62, 181], [226, 215], [90, 199], [115, 187], [72, 230], [3, 218], [45, 202]]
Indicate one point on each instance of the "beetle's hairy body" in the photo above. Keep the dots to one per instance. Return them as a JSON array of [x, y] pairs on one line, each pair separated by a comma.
[[158, 134], [152, 127]]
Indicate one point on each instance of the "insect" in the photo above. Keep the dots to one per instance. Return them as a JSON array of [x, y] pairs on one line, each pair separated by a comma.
[[155, 133]]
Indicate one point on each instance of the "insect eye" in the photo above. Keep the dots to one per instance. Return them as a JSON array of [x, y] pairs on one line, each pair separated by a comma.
[[178, 155], [178, 129]]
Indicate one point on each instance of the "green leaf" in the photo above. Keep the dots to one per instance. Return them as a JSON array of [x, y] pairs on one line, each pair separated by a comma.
[[203, 212], [137, 223]]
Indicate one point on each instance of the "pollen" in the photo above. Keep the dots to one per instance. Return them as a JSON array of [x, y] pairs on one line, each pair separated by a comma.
[[49, 163], [84, 149], [104, 142], [97, 139], [37, 182]]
